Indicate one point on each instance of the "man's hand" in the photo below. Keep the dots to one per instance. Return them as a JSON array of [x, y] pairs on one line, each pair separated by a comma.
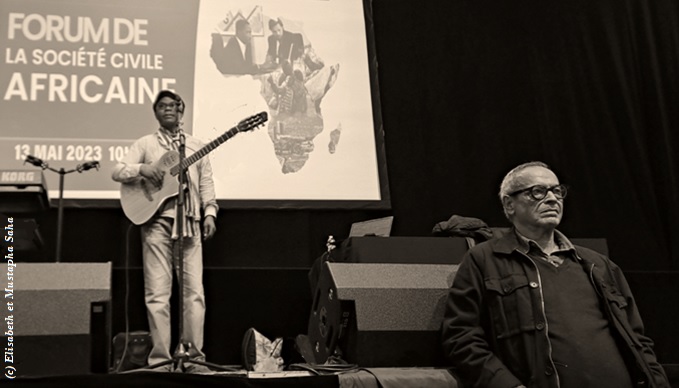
[[153, 174], [209, 227]]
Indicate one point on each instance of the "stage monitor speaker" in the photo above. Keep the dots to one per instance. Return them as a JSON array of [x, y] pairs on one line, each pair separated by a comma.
[[394, 250], [380, 315], [61, 318], [404, 250]]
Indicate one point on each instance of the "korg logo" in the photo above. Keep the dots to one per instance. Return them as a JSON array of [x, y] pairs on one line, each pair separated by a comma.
[[17, 176]]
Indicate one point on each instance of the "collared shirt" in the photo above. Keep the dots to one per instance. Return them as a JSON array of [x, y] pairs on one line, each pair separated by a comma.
[[148, 150], [564, 248], [243, 47]]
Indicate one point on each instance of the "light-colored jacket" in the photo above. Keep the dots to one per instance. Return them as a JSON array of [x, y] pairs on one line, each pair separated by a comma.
[[148, 149]]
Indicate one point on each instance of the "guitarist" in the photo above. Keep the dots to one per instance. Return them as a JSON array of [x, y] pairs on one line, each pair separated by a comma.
[[160, 232]]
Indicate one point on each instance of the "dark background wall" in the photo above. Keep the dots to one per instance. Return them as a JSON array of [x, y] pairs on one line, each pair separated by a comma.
[[468, 90]]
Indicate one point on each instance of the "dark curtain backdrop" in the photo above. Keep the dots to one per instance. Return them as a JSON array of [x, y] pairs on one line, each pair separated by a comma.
[[472, 88], [468, 89]]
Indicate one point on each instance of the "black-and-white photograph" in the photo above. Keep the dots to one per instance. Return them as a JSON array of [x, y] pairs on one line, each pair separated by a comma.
[[339, 193]]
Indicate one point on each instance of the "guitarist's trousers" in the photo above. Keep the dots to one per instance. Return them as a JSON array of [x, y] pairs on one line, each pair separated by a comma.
[[158, 270]]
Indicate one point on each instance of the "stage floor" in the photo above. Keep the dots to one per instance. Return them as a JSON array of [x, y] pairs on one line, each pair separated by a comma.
[[360, 378]]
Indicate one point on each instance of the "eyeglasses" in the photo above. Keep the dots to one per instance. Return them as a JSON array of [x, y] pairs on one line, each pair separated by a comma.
[[539, 192], [162, 105]]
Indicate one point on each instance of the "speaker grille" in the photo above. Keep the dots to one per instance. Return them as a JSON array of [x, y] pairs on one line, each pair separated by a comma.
[[380, 314]]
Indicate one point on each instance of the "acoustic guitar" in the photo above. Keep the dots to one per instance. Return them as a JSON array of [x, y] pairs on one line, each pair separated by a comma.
[[141, 199]]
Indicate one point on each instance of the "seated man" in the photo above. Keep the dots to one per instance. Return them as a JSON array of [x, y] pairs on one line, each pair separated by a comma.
[[530, 309], [284, 46]]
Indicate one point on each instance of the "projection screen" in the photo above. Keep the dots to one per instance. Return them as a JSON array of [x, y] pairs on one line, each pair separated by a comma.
[[79, 76]]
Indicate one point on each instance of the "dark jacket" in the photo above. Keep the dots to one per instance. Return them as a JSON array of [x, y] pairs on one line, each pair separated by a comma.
[[230, 59], [288, 48], [494, 327]]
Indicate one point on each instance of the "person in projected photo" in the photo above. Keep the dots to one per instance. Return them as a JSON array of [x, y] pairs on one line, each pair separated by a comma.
[[237, 56], [160, 233], [530, 309], [283, 46], [290, 93]]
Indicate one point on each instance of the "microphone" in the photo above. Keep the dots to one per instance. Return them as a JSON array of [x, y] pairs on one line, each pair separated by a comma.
[[88, 166], [35, 161]]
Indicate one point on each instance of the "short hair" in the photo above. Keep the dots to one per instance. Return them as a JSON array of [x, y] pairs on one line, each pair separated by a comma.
[[272, 23], [508, 184], [240, 24], [172, 95]]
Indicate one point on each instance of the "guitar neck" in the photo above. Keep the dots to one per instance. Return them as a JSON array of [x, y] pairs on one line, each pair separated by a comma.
[[209, 147]]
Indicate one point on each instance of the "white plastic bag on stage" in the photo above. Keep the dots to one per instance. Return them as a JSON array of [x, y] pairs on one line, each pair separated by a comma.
[[261, 354]]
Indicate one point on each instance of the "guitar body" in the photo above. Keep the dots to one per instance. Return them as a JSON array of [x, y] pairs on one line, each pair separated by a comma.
[[141, 199]]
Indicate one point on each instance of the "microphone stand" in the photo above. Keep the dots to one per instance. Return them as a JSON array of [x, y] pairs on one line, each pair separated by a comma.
[[181, 356], [60, 206], [60, 211], [182, 352]]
